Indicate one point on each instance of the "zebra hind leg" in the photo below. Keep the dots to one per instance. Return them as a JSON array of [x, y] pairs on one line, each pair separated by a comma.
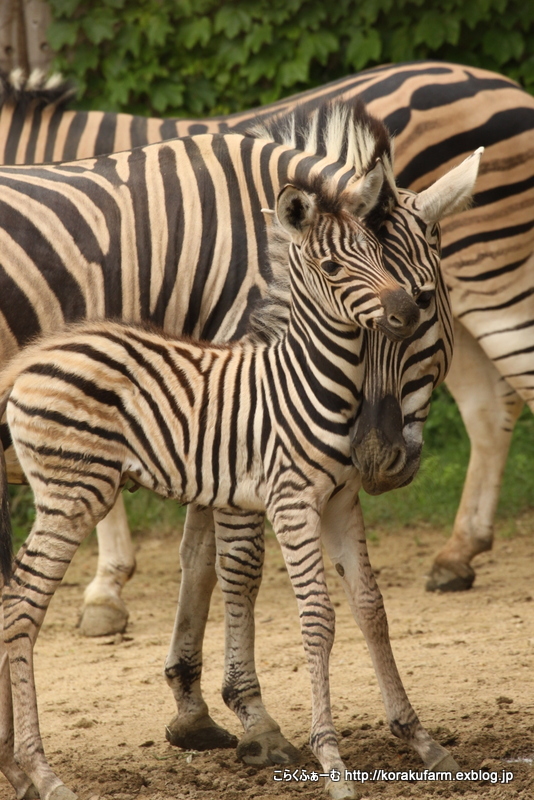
[[193, 728], [240, 555], [104, 611], [63, 518]]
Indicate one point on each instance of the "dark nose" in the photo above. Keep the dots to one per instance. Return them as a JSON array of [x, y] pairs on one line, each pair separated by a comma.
[[401, 314]]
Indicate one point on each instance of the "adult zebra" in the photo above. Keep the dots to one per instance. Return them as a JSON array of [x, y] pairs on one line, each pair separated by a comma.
[[75, 243], [438, 112], [246, 425]]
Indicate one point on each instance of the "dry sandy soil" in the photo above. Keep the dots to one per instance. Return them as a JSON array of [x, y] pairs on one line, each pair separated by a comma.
[[467, 661]]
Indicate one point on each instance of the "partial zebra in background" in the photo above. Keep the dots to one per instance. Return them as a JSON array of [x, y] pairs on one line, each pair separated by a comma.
[[76, 243], [267, 427], [438, 113]]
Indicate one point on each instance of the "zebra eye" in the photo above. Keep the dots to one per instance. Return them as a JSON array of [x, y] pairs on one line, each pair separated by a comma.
[[423, 299], [330, 267]]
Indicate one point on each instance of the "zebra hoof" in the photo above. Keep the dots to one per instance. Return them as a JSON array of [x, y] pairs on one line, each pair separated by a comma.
[[450, 577], [266, 749], [204, 734], [103, 619], [62, 793], [340, 790], [446, 764]]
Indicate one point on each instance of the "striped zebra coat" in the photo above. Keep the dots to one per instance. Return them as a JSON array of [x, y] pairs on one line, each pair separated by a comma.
[[438, 112], [75, 272], [246, 425]]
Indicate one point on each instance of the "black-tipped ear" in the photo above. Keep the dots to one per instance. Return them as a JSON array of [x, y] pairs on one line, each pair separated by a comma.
[[294, 209]]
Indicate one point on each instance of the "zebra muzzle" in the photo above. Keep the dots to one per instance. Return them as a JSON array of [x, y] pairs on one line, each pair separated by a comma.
[[401, 314], [379, 450]]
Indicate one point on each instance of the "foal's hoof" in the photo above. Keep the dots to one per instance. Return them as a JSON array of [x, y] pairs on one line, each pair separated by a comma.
[[447, 764], [266, 749], [340, 790], [62, 793], [204, 734], [450, 577], [104, 619]]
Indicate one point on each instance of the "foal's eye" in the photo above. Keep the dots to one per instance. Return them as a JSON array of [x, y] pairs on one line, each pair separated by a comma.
[[330, 267], [423, 299]]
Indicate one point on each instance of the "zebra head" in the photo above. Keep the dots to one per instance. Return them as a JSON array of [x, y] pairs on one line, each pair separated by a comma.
[[338, 258], [400, 377]]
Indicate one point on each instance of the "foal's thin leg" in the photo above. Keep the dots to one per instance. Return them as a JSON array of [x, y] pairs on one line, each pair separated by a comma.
[[343, 534], [240, 554], [192, 727], [18, 779], [62, 521], [298, 532]]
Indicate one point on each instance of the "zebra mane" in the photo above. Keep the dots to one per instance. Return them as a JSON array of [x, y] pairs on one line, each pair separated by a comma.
[[340, 130], [37, 87]]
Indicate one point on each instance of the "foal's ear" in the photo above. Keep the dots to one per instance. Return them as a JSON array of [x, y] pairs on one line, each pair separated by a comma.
[[452, 192], [361, 196], [295, 209]]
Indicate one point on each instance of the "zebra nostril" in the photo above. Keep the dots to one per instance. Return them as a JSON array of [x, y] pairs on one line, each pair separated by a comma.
[[401, 313]]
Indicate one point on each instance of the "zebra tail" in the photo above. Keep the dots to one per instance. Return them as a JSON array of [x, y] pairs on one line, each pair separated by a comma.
[[6, 536]]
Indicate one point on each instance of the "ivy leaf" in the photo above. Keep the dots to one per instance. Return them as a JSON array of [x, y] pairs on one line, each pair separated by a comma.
[[232, 21], [363, 48], [430, 30], [198, 31], [64, 8], [99, 27], [167, 95], [61, 33]]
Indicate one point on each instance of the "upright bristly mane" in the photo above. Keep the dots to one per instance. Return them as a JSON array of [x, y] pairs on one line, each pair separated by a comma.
[[343, 132], [338, 130], [38, 87]]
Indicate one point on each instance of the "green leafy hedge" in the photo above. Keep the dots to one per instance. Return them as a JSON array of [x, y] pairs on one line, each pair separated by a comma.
[[200, 57]]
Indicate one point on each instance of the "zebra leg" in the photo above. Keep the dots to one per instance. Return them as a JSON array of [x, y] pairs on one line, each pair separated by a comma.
[[298, 532], [104, 611], [240, 554], [489, 408], [343, 534], [192, 727], [19, 780], [61, 523]]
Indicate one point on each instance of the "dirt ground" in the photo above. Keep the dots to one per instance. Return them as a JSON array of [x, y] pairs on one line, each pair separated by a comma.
[[467, 661]]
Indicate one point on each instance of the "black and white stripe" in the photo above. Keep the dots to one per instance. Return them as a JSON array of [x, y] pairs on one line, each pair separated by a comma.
[[438, 113], [266, 427]]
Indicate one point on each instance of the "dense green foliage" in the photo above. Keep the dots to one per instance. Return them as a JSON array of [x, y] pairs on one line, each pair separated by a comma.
[[200, 57]]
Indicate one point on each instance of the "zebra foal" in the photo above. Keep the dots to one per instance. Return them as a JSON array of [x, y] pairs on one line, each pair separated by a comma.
[[248, 425]]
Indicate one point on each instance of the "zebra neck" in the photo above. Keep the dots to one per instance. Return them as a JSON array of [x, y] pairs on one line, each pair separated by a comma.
[[327, 359]]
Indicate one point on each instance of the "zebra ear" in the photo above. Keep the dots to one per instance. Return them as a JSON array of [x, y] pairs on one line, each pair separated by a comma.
[[294, 209], [450, 193], [362, 196]]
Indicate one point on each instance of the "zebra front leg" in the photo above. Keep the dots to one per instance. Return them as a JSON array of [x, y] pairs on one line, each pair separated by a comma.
[[192, 727], [104, 611], [240, 555], [298, 532], [23, 786], [343, 534]]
